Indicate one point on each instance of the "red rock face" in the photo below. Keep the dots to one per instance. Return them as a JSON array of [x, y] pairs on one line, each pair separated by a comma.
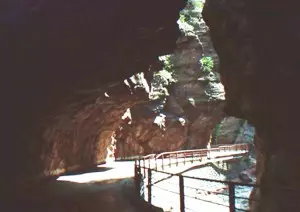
[[146, 132], [80, 135], [142, 136]]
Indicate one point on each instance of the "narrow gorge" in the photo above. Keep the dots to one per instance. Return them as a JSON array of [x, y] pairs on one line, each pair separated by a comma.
[[186, 97], [86, 80]]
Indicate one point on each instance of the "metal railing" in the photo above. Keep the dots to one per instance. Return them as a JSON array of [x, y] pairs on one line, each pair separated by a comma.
[[230, 198], [184, 156], [148, 177], [145, 185], [193, 193]]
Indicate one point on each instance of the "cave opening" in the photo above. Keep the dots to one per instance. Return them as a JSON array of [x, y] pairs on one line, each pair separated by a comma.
[[181, 109], [78, 78]]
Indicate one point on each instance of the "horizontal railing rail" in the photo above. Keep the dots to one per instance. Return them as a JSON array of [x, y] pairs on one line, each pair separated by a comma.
[[148, 176], [229, 190], [150, 156], [207, 179], [186, 153], [183, 153], [193, 155], [148, 184]]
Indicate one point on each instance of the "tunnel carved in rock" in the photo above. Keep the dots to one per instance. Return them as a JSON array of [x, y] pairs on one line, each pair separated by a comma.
[[56, 56], [53, 49]]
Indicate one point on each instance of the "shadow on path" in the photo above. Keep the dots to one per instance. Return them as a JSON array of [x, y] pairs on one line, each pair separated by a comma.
[[108, 193]]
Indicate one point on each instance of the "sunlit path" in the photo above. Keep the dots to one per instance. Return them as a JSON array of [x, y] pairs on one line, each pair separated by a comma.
[[110, 171], [108, 187]]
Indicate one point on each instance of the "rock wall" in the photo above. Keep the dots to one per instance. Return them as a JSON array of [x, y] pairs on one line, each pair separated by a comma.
[[193, 105], [79, 135], [257, 42], [53, 51], [197, 94], [147, 132], [233, 130]]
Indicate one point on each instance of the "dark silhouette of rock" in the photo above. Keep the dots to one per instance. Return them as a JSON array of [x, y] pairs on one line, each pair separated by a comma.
[[257, 43]]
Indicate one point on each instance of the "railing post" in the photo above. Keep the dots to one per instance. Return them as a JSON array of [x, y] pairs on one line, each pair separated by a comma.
[[192, 157], [200, 156], [149, 186], [183, 158], [149, 160], [176, 159], [144, 167], [170, 161], [181, 192], [231, 196], [162, 162], [135, 171], [138, 179]]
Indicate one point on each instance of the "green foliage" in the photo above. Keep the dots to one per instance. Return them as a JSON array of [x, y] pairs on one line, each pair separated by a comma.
[[207, 63], [163, 78], [189, 17], [168, 66], [182, 18], [168, 72], [198, 4]]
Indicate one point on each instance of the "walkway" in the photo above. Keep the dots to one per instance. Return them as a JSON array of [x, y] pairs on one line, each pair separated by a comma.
[[108, 187], [109, 171]]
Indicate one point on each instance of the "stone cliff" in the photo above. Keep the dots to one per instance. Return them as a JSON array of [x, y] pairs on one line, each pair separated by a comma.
[[233, 130], [257, 42], [53, 50], [193, 102], [58, 60]]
